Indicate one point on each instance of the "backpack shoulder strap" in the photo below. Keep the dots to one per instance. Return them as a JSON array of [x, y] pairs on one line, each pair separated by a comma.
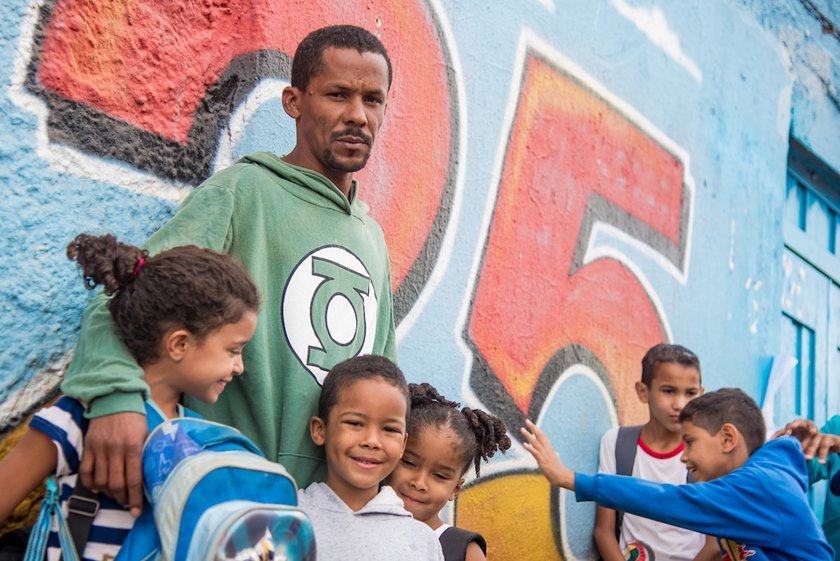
[[625, 449], [83, 504], [625, 455], [82, 507], [454, 542]]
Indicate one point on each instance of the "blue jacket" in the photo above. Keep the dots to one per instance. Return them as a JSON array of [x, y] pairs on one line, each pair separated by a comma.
[[758, 512]]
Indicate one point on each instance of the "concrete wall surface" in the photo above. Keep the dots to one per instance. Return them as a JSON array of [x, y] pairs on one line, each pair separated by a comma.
[[562, 184]]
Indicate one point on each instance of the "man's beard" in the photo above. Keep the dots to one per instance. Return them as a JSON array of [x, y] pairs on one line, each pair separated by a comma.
[[331, 161]]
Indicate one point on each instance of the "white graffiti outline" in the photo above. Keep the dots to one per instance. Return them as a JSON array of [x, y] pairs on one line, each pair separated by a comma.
[[234, 130], [33, 392], [652, 23], [448, 242]]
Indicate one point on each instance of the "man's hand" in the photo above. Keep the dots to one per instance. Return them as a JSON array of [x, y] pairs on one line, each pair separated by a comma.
[[111, 461], [547, 459], [814, 443]]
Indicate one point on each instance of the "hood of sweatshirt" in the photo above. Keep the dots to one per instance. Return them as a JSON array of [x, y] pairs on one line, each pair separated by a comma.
[[783, 455], [385, 502], [314, 187]]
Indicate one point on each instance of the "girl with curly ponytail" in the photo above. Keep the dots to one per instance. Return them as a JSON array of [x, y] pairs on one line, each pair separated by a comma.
[[444, 442], [184, 314]]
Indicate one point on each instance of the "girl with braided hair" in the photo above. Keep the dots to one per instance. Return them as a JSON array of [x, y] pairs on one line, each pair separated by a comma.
[[444, 441], [184, 315]]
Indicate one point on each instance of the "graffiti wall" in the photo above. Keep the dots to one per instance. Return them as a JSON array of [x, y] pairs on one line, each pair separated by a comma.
[[561, 184]]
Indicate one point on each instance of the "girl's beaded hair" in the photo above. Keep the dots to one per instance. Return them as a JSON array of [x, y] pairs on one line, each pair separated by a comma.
[[481, 434], [185, 287]]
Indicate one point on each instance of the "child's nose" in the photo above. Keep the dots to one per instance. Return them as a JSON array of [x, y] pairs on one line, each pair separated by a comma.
[[419, 482], [238, 366], [371, 438]]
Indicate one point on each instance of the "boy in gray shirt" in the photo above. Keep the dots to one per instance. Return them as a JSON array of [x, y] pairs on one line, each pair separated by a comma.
[[361, 423]]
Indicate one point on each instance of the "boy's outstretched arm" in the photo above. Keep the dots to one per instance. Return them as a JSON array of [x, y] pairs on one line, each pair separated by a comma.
[[547, 459]]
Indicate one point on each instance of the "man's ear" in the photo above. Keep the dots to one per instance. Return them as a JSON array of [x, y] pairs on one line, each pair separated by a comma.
[[457, 490], [730, 437], [317, 430], [291, 100], [642, 392], [176, 342]]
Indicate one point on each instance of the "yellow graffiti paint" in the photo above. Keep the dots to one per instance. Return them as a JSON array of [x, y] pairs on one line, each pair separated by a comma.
[[513, 513]]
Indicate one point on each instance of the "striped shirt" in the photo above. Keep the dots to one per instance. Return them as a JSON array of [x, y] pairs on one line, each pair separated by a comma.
[[65, 424]]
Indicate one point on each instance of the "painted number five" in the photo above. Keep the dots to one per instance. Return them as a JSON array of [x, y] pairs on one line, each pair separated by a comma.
[[572, 161]]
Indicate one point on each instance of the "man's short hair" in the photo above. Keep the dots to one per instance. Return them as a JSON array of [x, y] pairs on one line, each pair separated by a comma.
[[665, 352], [712, 410], [365, 367], [309, 54]]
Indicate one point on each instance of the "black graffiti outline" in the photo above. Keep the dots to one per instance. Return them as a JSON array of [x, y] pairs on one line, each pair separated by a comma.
[[89, 130]]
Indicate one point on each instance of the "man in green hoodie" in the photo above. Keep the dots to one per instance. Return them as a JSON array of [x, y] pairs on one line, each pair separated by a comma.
[[320, 261]]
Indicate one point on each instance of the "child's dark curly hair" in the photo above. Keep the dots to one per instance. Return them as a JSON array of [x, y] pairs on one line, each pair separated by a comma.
[[185, 287], [481, 434]]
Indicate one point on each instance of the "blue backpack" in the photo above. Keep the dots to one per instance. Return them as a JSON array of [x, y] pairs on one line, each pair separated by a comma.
[[213, 496]]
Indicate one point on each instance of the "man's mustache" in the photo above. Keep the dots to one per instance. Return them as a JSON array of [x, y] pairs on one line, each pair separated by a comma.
[[354, 133]]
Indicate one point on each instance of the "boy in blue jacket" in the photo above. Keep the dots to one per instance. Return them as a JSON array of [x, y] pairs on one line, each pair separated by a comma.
[[750, 496]]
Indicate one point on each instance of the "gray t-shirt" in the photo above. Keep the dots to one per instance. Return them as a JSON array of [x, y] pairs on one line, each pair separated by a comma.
[[382, 530]]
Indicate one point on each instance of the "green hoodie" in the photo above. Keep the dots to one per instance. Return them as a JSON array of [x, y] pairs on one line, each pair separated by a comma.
[[310, 252]]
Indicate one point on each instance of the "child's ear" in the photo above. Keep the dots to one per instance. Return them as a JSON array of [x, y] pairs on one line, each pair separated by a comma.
[[317, 428], [290, 97], [730, 437], [457, 490], [642, 392], [176, 342]]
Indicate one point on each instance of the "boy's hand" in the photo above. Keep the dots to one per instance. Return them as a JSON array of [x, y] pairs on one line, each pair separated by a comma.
[[547, 459], [814, 444]]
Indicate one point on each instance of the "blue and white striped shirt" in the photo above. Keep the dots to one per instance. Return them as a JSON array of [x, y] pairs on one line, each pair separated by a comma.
[[65, 424]]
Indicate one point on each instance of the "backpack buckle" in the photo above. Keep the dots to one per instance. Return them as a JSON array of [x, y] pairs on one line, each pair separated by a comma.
[[83, 506]]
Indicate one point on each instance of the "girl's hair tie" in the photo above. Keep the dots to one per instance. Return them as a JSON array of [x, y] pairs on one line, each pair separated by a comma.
[[137, 267]]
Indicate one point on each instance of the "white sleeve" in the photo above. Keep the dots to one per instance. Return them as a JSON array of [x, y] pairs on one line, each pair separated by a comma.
[[606, 457]]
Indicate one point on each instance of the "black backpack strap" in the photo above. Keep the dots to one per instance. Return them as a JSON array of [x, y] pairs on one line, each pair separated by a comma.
[[454, 542], [625, 456], [82, 507]]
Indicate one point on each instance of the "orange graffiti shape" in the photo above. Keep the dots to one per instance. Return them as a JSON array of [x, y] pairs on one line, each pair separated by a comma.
[[572, 161]]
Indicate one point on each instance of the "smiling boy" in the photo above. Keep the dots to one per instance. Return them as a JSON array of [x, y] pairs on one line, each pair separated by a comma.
[[750, 495], [361, 424]]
